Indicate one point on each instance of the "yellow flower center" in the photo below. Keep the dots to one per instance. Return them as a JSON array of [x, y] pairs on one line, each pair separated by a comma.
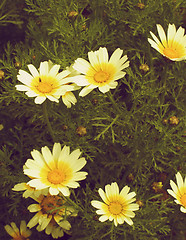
[[44, 87], [56, 176], [115, 208], [171, 53], [183, 200], [50, 204], [101, 76]]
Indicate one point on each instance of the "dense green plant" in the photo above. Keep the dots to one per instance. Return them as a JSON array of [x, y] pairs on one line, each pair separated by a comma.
[[129, 139]]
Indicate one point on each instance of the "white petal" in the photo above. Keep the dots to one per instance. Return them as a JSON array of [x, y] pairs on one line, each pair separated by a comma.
[[125, 191], [31, 93], [85, 91], [40, 100], [179, 180], [128, 220], [103, 57], [182, 209], [19, 187], [171, 34], [104, 88], [63, 75], [64, 155], [80, 80], [56, 151], [25, 77], [34, 220], [33, 70], [103, 218], [22, 88], [162, 35], [103, 195], [174, 187], [92, 56], [82, 66], [64, 190], [34, 208], [43, 68], [53, 99], [36, 183], [53, 191], [54, 70], [116, 56]]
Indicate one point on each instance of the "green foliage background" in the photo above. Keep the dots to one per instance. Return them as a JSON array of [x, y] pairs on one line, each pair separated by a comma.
[[126, 132]]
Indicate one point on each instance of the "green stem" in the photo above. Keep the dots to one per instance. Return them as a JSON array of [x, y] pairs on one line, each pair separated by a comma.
[[106, 129], [73, 204], [113, 232], [45, 114], [113, 102]]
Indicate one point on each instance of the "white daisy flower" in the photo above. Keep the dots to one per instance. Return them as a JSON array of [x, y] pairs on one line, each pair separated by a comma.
[[45, 83], [101, 71], [179, 191], [58, 171], [173, 46], [117, 206]]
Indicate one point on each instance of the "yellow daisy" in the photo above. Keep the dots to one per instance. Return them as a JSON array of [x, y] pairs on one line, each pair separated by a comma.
[[117, 206], [179, 191], [101, 71], [17, 234], [58, 171], [47, 83], [52, 212], [28, 191], [173, 46]]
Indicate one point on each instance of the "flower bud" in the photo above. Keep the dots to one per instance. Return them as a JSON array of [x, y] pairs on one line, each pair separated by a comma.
[[173, 120], [144, 67], [2, 74], [81, 131]]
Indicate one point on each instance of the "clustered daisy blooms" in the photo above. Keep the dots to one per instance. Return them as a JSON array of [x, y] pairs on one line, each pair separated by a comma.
[[17, 234], [58, 171], [45, 83], [117, 206], [179, 191], [100, 71], [51, 214], [173, 46]]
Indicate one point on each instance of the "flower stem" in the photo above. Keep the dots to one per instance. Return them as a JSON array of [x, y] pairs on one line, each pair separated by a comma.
[[73, 204], [113, 102], [45, 114], [113, 233]]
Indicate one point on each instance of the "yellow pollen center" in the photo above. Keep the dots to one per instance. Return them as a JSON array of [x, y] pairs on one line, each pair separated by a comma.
[[56, 176], [101, 76], [115, 208], [183, 200], [44, 87], [171, 53]]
